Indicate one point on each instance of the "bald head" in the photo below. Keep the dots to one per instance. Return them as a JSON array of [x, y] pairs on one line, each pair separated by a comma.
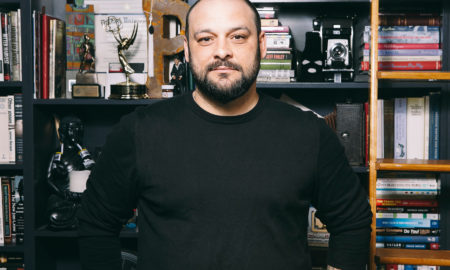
[[252, 9]]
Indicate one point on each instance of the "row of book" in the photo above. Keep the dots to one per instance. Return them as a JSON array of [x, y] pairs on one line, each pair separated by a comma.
[[49, 58], [277, 65], [12, 261], [11, 129], [406, 267], [11, 48], [407, 213], [408, 127], [12, 210]]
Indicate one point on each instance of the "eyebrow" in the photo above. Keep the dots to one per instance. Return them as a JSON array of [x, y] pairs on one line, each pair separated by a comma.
[[208, 30]]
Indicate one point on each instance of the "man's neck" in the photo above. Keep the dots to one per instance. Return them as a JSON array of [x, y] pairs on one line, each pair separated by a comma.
[[238, 106]]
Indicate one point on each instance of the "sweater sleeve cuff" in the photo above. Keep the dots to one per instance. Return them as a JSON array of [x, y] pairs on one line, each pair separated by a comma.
[[349, 250]]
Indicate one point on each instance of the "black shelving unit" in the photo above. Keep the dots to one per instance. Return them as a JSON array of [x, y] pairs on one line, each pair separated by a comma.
[[45, 249]]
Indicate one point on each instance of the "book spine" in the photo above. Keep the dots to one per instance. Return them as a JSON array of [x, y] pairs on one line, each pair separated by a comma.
[[413, 29], [407, 223], [275, 29], [434, 246], [4, 130], [434, 216], [44, 56], [400, 128], [51, 60], [415, 120], [18, 115], [434, 126], [404, 52], [19, 208], [284, 73], [405, 46], [405, 20], [426, 127], [13, 212], [269, 22], [278, 56], [400, 209], [407, 239], [6, 197], [408, 231], [407, 202], [6, 50], [2, 74], [404, 58], [388, 111], [11, 129], [15, 57], [406, 65], [380, 129], [285, 66]]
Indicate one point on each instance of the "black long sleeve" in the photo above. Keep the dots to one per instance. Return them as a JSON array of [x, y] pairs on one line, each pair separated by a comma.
[[223, 192]]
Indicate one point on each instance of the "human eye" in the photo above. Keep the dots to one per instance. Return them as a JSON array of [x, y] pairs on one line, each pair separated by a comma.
[[239, 37], [204, 40]]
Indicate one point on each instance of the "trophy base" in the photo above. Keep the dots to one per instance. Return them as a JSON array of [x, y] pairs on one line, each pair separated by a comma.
[[86, 91], [128, 90]]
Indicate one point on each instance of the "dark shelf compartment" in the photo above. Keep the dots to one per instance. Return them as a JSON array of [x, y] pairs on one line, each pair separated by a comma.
[[88, 102], [15, 84], [43, 232], [12, 248], [11, 167]]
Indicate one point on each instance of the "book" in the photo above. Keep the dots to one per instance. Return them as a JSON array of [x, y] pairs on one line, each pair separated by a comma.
[[434, 126], [426, 128], [434, 216], [45, 48], [408, 245], [407, 223], [11, 130], [6, 47], [15, 53], [407, 202], [2, 74], [7, 218], [380, 129], [399, 209], [400, 128], [275, 29], [388, 125], [18, 202], [405, 58], [408, 231], [405, 46], [410, 19], [404, 65], [406, 52], [4, 131], [18, 126], [58, 84], [407, 238], [269, 22], [415, 121]]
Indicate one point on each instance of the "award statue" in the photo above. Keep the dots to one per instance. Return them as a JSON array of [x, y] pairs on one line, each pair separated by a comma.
[[127, 89], [86, 85]]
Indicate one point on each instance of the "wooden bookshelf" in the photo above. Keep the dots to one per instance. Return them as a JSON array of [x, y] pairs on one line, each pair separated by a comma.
[[413, 165], [412, 256]]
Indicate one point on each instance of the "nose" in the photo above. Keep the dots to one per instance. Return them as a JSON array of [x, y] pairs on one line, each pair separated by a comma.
[[223, 50]]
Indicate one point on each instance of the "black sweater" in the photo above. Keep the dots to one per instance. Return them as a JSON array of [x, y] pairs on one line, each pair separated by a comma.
[[222, 192]]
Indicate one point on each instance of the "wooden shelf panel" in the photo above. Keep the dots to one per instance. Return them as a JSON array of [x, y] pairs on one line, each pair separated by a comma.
[[411, 75], [412, 256], [413, 165]]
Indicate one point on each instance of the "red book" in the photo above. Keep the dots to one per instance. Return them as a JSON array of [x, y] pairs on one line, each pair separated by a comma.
[[404, 65], [45, 42], [405, 46], [406, 202]]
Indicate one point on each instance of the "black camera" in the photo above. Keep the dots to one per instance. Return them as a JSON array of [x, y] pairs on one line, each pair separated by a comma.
[[337, 47]]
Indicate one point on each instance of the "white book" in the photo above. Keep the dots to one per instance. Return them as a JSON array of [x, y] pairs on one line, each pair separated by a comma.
[[11, 130], [415, 136], [4, 132], [400, 128], [426, 129], [380, 129], [51, 60]]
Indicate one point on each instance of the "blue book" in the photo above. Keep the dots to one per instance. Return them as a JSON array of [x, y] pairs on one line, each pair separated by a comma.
[[407, 238], [433, 147], [407, 223]]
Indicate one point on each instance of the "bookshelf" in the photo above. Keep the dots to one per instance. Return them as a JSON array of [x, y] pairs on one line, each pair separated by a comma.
[[45, 249]]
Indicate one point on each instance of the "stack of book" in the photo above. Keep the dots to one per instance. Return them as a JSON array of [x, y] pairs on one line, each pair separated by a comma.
[[407, 212], [12, 261], [12, 222], [405, 42], [11, 129], [10, 48], [409, 127], [276, 66], [406, 267]]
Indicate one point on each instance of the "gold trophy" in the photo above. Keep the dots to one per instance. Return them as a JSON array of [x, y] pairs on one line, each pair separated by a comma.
[[127, 89]]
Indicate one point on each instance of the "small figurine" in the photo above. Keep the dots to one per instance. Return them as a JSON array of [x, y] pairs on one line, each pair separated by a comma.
[[177, 76], [63, 203], [87, 55]]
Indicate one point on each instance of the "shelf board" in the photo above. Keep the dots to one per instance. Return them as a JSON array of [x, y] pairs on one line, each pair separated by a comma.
[[11, 167], [43, 232], [313, 85], [12, 248], [411, 256], [413, 165], [411, 75], [90, 101], [10, 84]]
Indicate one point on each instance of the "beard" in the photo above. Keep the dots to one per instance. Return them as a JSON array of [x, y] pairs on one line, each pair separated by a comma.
[[227, 92]]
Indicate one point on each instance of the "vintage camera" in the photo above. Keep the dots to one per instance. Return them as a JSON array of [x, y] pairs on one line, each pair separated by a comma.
[[337, 47]]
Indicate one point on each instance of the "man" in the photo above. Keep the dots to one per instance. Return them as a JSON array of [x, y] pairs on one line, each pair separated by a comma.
[[248, 167], [177, 74]]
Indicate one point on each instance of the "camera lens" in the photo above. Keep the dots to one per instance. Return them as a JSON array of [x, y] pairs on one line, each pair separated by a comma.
[[338, 51]]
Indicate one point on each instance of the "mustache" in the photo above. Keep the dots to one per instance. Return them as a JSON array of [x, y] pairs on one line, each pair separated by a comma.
[[219, 63]]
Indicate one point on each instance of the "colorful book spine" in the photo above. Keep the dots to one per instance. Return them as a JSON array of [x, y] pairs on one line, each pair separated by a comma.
[[18, 115], [405, 46], [434, 126], [407, 238], [435, 216], [406, 65], [408, 231], [400, 128], [407, 223], [407, 202], [400, 209], [433, 246], [403, 52], [6, 48], [405, 58]]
